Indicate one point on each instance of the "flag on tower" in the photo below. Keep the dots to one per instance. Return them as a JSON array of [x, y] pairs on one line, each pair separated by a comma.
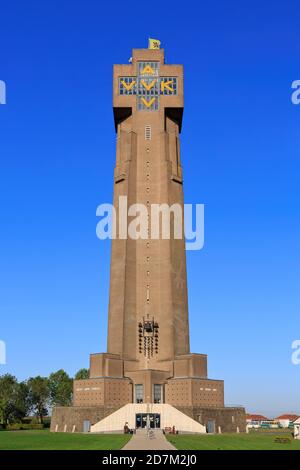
[[154, 44]]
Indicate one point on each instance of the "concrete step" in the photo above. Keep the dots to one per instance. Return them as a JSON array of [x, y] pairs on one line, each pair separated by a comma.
[[169, 417]]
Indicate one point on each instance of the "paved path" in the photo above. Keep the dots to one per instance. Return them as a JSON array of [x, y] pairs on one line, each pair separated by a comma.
[[154, 441]]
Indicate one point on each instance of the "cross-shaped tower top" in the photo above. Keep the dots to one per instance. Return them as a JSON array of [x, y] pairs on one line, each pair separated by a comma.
[[148, 84]]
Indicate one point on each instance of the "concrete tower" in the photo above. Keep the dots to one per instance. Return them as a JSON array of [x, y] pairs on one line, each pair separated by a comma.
[[148, 276], [148, 359]]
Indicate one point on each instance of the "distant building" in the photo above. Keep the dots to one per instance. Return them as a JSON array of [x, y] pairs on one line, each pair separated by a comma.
[[260, 421], [286, 420], [256, 421]]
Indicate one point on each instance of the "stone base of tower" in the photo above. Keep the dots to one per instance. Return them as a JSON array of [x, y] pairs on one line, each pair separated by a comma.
[[213, 419], [113, 383]]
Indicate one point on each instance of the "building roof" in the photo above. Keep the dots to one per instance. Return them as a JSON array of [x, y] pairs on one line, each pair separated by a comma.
[[256, 417], [288, 416]]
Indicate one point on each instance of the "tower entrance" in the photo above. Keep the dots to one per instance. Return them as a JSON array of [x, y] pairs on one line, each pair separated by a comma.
[[147, 420]]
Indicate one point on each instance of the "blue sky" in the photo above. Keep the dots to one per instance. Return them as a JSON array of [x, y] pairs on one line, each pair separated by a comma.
[[240, 153]]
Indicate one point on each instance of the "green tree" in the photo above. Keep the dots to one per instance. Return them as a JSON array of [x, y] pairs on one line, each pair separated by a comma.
[[21, 402], [82, 374], [61, 388], [8, 386], [39, 394]]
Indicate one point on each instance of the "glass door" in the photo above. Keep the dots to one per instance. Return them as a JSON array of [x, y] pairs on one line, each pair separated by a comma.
[[153, 419]]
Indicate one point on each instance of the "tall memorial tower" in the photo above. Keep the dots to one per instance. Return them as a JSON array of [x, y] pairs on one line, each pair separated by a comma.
[[148, 312], [148, 374]]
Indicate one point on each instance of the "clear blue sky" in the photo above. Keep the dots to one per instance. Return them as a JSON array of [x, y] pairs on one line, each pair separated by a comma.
[[240, 153]]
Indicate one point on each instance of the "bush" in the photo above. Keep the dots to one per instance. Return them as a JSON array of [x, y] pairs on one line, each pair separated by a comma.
[[23, 427]]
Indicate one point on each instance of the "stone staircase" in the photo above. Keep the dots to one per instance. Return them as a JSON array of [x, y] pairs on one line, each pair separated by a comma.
[[169, 417]]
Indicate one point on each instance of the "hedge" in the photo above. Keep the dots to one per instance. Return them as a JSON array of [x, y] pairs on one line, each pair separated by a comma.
[[23, 426]]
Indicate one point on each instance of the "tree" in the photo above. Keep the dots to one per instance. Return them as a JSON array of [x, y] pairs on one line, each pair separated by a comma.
[[8, 386], [82, 374], [61, 388], [21, 402], [39, 394]]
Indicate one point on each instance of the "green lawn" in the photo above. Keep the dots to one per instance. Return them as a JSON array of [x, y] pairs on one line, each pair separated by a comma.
[[44, 440], [231, 442]]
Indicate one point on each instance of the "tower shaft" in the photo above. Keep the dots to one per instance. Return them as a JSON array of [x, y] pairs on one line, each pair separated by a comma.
[[148, 276]]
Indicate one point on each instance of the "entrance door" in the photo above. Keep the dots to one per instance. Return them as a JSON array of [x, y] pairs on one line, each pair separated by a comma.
[[211, 425], [157, 420], [153, 419], [144, 420], [138, 421], [86, 426]]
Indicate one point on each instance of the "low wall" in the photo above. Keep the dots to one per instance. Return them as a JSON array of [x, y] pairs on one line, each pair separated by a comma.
[[228, 418], [64, 418]]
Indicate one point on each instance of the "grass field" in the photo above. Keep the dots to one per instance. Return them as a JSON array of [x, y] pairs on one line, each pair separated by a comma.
[[259, 441], [44, 440]]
